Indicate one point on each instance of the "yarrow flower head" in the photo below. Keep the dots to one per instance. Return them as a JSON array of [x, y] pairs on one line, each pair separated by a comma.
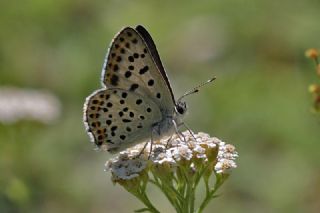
[[126, 166], [174, 165]]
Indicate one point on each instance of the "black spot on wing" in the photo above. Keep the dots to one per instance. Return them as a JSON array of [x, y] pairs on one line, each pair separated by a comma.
[[134, 87], [121, 113], [115, 68], [143, 70], [131, 58], [114, 80], [151, 82], [109, 141], [124, 95], [138, 102], [118, 59], [127, 74]]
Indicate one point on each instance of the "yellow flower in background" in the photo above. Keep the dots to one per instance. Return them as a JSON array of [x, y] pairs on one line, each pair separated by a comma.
[[314, 89]]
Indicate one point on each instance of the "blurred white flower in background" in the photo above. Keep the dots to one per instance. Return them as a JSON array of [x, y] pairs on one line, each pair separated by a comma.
[[28, 104]]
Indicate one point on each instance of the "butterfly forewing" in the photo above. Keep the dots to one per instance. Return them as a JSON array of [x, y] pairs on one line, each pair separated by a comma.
[[130, 66], [155, 55], [117, 118]]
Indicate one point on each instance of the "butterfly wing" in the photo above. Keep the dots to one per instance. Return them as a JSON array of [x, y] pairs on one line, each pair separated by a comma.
[[155, 55], [133, 64], [116, 118]]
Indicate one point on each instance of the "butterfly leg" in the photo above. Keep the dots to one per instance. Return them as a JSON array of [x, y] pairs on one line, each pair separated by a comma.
[[190, 131], [178, 132], [151, 143], [145, 145], [167, 144]]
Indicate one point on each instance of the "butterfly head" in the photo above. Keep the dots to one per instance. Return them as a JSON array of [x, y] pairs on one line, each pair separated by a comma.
[[181, 108]]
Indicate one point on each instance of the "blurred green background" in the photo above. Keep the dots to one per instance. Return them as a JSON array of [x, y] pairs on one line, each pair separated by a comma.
[[259, 101]]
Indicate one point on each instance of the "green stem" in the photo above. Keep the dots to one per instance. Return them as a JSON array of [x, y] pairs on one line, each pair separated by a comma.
[[150, 206], [187, 190], [168, 192], [167, 186], [140, 192], [144, 199], [192, 199], [188, 198], [181, 185], [201, 173], [210, 193]]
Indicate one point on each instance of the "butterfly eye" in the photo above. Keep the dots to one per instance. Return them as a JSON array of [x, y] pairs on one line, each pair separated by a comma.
[[181, 108]]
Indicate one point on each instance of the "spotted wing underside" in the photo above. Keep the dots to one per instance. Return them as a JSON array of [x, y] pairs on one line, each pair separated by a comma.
[[133, 64], [116, 118]]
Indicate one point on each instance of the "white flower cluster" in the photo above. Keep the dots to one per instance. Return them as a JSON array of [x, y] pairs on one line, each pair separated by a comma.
[[170, 152], [226, 158], [127, 165], [19, 104]]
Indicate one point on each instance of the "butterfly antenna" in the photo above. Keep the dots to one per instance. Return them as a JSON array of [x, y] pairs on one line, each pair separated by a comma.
[[196, 89]]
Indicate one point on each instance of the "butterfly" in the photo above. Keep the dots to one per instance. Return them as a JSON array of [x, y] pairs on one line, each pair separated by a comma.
[[136, 103]]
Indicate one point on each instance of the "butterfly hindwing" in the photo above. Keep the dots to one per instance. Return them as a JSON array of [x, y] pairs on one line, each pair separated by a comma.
[[130, 66], [117, 118]]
